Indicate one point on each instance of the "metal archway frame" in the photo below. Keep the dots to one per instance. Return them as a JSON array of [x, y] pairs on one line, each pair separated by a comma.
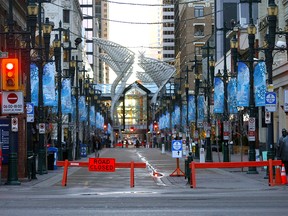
[[159, 71]]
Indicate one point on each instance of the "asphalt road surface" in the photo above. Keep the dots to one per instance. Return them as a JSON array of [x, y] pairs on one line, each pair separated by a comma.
[[92, 193]]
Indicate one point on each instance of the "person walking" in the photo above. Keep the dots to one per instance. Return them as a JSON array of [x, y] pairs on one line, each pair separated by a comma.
[[282, 149]]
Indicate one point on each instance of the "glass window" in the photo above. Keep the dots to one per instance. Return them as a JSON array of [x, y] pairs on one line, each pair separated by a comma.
[[199, 30], [199, 11], [66, 16]]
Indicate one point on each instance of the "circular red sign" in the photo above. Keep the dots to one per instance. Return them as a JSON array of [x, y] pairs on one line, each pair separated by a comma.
[[12, 98]]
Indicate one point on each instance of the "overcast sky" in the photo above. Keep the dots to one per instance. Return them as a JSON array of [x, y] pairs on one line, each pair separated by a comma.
[[136, 37]]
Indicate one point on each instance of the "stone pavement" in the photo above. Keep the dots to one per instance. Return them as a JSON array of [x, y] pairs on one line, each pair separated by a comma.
[[164, 164]]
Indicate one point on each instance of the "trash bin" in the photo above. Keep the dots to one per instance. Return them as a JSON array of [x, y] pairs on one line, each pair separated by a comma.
[[52, 158], [83, 150]]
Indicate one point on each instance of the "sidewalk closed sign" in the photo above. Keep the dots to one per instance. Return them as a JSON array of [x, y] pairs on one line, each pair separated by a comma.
[[102, 164]]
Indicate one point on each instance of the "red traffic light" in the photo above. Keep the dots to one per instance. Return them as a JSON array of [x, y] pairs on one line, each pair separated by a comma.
[[155, 126], [10, 74]]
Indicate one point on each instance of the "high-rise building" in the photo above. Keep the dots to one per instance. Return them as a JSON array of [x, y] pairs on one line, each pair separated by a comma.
[[168, 35], [95, 24]]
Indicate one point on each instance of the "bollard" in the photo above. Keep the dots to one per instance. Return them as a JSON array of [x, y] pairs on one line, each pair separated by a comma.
[[163, 149], [188, 173]]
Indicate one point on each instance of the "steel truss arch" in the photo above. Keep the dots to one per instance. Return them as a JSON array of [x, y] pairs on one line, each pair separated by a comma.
[[120, 60], [159, 71]]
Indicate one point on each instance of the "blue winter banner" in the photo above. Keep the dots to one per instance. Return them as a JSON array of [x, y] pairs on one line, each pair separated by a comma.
[[82, 109], [66, 101], [168, 119], [184, 114], [34, 79], [243, 86], [191, 108], [99, 121], [260, 84], [177, 115], [232, 96], [201, 107], [92, 116], [161, 121], [173, 119], [218, 95], [73, 107], [49, 84]]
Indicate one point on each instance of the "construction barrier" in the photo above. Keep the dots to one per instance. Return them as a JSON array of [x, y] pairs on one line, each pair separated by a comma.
[[196, 165], [107, 165]]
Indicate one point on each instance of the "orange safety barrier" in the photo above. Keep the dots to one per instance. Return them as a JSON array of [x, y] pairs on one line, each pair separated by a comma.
[[132, 165], [270, 163]]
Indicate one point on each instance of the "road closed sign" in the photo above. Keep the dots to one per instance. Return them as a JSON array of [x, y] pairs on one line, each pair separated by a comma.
[[12, 102], [102, 164]]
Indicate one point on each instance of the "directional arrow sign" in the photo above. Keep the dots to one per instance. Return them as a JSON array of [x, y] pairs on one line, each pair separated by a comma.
[[177, 148]]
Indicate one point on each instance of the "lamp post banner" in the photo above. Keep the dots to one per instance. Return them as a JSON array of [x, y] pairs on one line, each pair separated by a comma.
[[82, 109], [184, 113], [243, 86], [232, 96], [66, 102], [218, 95], [34, 79], [176, 116], [92, 116], [260, 83], [191, 108], [49, 84], [201, 106]]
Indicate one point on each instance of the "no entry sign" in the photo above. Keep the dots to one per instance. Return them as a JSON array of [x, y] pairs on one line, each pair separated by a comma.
[[12, 98], [12, 102]]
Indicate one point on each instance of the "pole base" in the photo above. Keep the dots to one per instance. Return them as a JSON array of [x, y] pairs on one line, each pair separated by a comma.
[[13, 182], [252, 172]]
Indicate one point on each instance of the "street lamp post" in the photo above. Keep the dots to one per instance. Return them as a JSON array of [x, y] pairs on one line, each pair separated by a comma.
[[196, 92], [32, 10], [72, 66], [272, 19], [251, 38], [210, 73], [47, 28], [57, 53], [226, 129], [187, 106], [77, 150], [210, 69]]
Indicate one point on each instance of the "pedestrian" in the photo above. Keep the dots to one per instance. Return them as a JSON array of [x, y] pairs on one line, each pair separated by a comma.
[[282, 149]]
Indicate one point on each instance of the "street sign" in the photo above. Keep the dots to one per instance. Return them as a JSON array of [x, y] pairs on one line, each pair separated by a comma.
[[30, 112], [12, 102], [267, 118], [251, 129], [41, 128], [177, 148], [102, 164], [226, 131], [270, 101], [14, 124]]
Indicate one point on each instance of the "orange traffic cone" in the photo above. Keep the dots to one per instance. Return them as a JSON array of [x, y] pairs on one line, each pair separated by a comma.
[[278, 180], [283, 175]]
